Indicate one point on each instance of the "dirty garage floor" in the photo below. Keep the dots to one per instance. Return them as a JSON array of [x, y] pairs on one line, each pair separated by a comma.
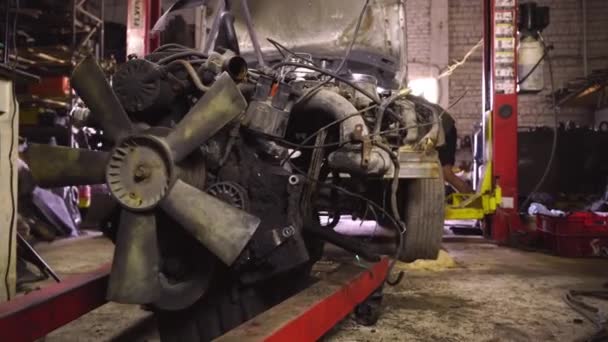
[[491, 293]]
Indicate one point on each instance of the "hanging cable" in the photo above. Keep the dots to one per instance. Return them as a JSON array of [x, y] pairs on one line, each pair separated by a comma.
[[280, 48], [329, 73], [543, 178], [397, 225], [385, 104], [313, 90], [329, 125], [541, 59], [401, 229], [457, 64], [181, 55], [353, 41]]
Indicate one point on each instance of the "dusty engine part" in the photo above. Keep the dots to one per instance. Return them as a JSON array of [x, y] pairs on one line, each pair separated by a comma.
[[269, 113], [229, 62], [145, 157], [367, 82], [220, 172], [351, 158], [140, 86], [231, 193]]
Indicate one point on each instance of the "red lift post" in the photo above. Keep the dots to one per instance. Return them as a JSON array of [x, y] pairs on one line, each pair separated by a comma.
[[500, 100], [141, 16]]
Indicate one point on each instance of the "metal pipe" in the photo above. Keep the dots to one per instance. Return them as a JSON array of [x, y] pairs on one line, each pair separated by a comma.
[[336, 106], [215, 27], [192, 73], [348, 158], [252, 35]]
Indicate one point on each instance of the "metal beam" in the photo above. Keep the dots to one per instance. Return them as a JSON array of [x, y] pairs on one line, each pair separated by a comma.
[[311, 313], [36, 314]]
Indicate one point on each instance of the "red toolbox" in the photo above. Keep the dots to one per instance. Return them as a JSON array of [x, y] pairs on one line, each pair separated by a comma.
[[579, 234]]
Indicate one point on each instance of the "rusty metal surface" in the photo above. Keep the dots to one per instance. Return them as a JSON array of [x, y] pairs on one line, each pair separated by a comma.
[[56, 166], [136, 264], [325, 28], [220, 105], [220, 227], [308, 315], [416, 164], [89, 81]]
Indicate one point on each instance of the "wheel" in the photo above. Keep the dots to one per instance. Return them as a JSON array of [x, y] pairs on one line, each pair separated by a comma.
[[368, 312], [227, 305], [423, 211]]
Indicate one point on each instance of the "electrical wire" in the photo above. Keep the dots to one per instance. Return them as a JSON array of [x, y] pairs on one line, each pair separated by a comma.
[[181, 55], [543, 178], [329, 73], [277, 46], [329, 125], [10, 154], [385, 104], [439, 117], [280, 48], [396, 223], [457, 64], [313, 90], [355, 35], [401, 229], [301, 146], [395, 218], [542, 58]]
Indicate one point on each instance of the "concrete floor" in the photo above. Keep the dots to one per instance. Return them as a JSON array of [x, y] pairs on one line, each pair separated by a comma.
[[491, 293]]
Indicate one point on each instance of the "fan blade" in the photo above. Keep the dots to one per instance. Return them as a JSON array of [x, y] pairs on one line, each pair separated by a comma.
[[91, 85], [220, 227], [57, 166], [221, 104], [134, 278]]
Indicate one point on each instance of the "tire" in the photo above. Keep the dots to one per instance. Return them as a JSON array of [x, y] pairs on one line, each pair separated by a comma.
[[423, 211]]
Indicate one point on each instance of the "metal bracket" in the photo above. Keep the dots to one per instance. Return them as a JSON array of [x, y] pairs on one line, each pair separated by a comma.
[[366, 144]]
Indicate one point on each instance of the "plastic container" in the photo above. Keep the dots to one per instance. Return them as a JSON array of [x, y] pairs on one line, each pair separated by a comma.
[[580, 234]]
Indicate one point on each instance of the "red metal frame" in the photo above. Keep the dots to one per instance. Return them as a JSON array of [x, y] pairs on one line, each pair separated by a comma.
[[310, 314], [141, 16], [500, 97], [155, 11], [304, 317], [37, 313]]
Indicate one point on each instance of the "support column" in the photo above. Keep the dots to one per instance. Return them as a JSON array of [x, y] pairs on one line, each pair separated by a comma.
[[440, 46], [9, 121]]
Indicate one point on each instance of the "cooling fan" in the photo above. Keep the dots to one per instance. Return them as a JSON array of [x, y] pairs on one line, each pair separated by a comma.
[[140, 172]]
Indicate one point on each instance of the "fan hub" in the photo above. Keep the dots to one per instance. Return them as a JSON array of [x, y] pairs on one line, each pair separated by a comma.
[[139, 172]]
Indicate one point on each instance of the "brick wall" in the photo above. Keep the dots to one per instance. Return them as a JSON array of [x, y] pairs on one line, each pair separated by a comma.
[[465, 30], [565, 33], [418, 14]]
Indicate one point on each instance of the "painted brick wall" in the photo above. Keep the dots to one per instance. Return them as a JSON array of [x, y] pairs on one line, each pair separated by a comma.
[[465, 30], [418, 13], [565, 33]]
